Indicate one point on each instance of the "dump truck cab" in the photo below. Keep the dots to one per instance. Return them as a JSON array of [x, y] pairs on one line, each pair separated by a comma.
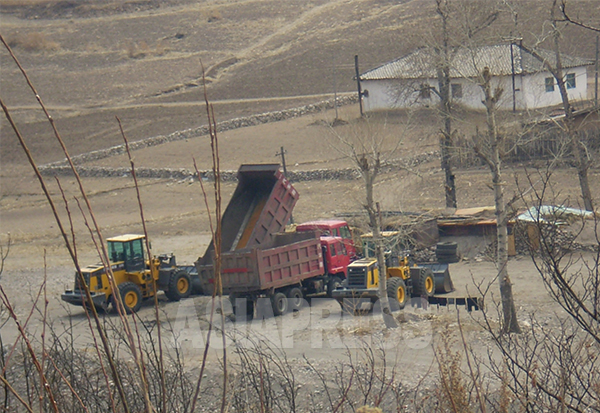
[[335, 256], [333, 228]]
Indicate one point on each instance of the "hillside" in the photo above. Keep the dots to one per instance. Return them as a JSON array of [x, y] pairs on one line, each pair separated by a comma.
[[141, 60]]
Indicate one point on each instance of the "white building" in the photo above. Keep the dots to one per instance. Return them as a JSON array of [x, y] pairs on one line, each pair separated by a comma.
[[412, 80]]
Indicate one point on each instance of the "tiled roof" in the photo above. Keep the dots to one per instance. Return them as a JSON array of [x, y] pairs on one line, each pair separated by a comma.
[[469, 62]]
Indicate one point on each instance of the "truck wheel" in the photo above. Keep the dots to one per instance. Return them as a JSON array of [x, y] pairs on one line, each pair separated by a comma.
[[249, 306], [295, 297], [334, 283], [280, 303], [180, 286], [131, 297], [396, 291], [249, 309], [423, 282]]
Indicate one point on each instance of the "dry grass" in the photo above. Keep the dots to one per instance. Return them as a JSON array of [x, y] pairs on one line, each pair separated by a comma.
[[141, 49], [33, 42]]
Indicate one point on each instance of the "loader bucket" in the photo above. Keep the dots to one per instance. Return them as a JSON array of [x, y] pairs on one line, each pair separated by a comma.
[[441, 274]]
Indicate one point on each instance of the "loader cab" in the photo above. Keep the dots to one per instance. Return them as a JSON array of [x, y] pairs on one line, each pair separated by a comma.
[[128, 249]]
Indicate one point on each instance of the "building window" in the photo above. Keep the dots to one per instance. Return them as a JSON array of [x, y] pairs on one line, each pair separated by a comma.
[[425, 91], [549, 84], [456, 90], [570, 81]]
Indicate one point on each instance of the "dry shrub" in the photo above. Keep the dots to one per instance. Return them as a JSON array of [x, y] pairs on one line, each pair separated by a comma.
[[141, 49], [213, 15], [454, 389], [33, 42]]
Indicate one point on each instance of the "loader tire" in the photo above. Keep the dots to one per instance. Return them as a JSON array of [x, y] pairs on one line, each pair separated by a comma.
[[423, 282], [397, 293], [279, 303], [446, 252], [180, 286], [131, 297], [449, 247]]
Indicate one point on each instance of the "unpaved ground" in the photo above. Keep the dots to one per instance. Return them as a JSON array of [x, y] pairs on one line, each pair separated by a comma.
[[90, 79], [177, 222]]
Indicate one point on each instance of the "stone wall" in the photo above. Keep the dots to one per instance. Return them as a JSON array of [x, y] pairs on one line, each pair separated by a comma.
[[228, 176], [62, 168], [52, 168]]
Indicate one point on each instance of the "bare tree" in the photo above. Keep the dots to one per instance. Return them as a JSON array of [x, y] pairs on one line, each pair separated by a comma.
[[488, 148], [470, 20], [553, 365], [566, 16], [579, 150], [443, 78], [369, 146]]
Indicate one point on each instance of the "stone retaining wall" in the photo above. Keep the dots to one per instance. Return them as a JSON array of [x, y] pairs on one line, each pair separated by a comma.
[[201, 131], [229, 176]]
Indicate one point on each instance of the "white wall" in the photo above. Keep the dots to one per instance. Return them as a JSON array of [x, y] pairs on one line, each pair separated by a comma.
[[537, 97], [530, 92]]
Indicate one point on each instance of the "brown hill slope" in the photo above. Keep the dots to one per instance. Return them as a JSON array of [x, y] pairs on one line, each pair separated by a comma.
[[141, 60]]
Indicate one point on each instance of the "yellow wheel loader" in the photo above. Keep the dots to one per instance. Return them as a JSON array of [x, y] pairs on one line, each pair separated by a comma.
[[136, 276], [403, 282]]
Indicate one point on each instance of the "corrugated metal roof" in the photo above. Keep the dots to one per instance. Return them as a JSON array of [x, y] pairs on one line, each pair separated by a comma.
[[423, 63]]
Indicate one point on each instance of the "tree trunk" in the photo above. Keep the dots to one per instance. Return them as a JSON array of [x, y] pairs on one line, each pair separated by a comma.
[[510, 322], [369, 173], [509, 311], [446, 138], [445, 109], [582, 164]]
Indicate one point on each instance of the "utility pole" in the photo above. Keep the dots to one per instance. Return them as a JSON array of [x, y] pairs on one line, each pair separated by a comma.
[[335, 101], [596, 75], [512, 64], [360, 95], [285, 174]]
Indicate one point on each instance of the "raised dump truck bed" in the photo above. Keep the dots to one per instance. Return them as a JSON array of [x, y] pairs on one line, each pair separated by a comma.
[[288, 259], [261, 205]]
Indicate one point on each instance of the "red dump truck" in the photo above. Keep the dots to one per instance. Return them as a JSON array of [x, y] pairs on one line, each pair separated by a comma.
[[260, 206], [258, 259], [285, 270]]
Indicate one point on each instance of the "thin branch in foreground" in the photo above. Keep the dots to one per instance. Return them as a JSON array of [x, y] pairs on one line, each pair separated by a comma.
[[154, 286], [114, 371]]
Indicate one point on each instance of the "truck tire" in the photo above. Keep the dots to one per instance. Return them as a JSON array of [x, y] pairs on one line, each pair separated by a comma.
[[249, 309], [280, 303], [449, 247], [333, 283], [295, 299], [397, 293], [131, 297], [180, 286], [249, 306], [423, 282]]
